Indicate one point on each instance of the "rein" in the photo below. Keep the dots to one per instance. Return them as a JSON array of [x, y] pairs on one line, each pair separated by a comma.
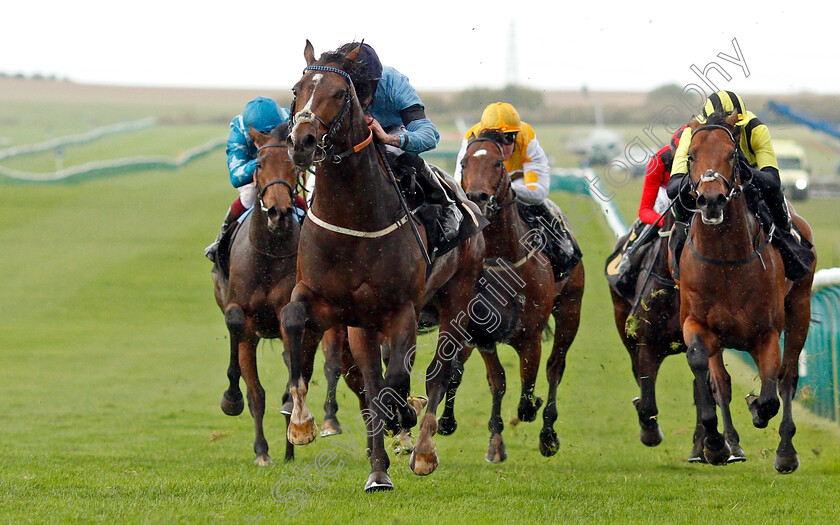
[[326, 144], [497, 201], [261, 190]]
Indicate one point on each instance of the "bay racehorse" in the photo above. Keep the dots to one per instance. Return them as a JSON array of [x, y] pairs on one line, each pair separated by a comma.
[[360, 265], [734, 293], [254, 282], [649, 326], [519, 286]]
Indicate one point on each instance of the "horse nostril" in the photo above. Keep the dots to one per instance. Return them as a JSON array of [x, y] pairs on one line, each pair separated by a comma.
[[309, 142], [721, 200], [701, 201]]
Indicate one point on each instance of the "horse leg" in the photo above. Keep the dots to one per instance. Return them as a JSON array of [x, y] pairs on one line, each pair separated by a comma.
[[302, 429], [530, 352], [401, 331], [232, 403], [650, 359], [722, 390], [496, 452], [256, 393], [797, 320], [715, 448], [566, 313], [767, 356], [447, 424], [696, 455], [364, 346], [450, 345], [330, 344]]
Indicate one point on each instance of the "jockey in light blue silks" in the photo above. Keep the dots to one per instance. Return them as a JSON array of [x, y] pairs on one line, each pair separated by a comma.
[[264, 115], [397, 117]]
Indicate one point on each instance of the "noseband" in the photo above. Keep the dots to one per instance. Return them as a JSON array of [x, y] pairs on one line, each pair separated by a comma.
[[326, 144], [497, 201], [261, 190]]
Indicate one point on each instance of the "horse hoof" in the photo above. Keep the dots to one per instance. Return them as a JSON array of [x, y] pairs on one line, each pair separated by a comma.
[[263, 460], [759, 421], [496, 452], [528, 411], [302, 434], [697, 458], [418, 403], [447, 426], [232, 405], [287, 407], [736, 453], [330, 427], [423, 464], [378, 481], [549, 444], [786, 464], [651, 436], [717, 457]]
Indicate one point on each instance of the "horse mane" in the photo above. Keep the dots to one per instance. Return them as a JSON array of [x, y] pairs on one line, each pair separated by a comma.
[[281, 132], [718, 118], [492, 134]]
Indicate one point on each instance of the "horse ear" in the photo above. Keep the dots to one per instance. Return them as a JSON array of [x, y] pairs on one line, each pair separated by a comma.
[[258, 137], [732, 119], [353, 55], [309, 53]]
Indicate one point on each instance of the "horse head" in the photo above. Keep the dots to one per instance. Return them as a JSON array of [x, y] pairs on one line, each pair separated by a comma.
[[713, 165], [483, 174], [275, 177], [323, 97]]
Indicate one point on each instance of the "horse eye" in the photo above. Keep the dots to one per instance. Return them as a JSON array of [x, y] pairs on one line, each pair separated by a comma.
[[499, 163], [341, 94]]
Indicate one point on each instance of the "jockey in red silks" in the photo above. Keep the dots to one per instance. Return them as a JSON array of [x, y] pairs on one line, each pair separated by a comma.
[[654, 195]]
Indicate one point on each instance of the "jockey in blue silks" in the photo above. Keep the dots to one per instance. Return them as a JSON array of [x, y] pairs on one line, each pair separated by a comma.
[[397, 118], [263, 114]]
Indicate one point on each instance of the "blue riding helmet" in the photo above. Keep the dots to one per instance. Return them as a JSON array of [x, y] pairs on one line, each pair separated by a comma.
[[263, 114]]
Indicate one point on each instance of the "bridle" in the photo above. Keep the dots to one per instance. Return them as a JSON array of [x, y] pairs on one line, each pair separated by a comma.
[[326, 144], [733, 184], [261, 190], [498, 200]]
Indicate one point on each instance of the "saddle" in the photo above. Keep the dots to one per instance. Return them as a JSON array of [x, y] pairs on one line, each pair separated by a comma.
[[558, 244], [622, 272], [223, 252]]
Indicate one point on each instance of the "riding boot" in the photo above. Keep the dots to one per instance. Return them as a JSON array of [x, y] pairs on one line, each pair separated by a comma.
[[770, 187], [211, 251], [679, 233], [450, 216]]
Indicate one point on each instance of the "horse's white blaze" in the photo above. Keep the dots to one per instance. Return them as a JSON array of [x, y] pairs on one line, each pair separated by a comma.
[[305, 115], [480, 153], [300, 412]]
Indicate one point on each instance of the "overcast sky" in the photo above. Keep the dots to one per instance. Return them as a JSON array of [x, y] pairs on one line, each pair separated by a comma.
[[787, 47]]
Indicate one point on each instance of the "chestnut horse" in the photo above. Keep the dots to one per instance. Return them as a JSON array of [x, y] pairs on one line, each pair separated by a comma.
[[262, 263], [520, 285], [360, 265], [649, 327], [734, 293]]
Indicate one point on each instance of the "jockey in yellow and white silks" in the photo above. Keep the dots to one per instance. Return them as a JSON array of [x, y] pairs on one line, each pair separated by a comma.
[[525, 159]]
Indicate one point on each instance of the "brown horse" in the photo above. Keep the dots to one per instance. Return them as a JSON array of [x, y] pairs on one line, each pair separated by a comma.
[[734, 293], [360, 265], [518, 286], [649, 327], [262, 263]]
